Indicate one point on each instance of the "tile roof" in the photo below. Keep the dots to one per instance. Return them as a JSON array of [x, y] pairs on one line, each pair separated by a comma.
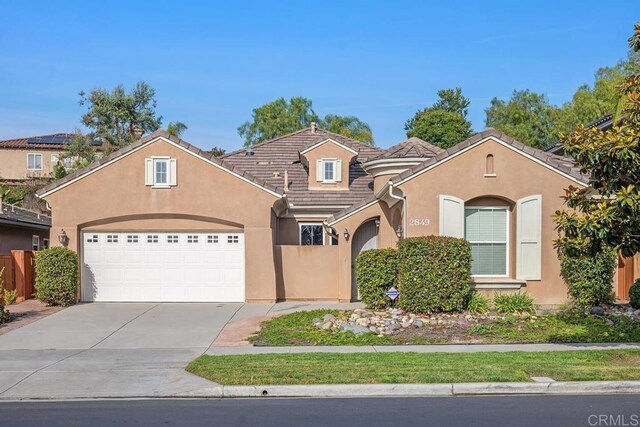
[[412, 147], [602, 123], [560, 163], [272, 158], [24, 142], [157, 134], [21, 216]]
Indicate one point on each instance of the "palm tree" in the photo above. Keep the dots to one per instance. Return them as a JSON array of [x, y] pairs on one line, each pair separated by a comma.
[[176, 128]]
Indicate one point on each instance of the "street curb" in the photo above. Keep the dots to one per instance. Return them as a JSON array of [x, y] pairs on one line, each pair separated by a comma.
[[445, 389]]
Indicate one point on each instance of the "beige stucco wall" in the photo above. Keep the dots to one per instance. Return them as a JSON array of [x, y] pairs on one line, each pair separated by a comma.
[[329, 150], [516, 177], [13, 163], [206, 198], [307, 272]]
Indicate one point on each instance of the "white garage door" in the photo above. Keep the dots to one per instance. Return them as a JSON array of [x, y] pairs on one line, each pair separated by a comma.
[[169, 267]]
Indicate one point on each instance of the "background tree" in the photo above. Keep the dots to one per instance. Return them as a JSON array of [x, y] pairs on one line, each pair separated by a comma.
[[527, 116], [176, 129], [349, 126], [81, 150], [277, 118], [611, 159], [281, 117], [444, 123], [217, 151], [120, 117]]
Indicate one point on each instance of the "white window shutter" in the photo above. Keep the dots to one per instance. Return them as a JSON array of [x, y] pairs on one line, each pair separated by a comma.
[[173, 172], [148, 171], [529, 238], [319, 171], [451, 216], [338, 170]]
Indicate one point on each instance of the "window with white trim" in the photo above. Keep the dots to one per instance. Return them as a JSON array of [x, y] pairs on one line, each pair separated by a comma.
[[34, 161], [328, 170], [35, 242], [45, 243], [487, 229], [55, 158], [160, 171], [311, 234], [68, 162]]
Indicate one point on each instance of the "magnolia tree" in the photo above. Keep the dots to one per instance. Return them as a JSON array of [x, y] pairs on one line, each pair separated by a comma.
[[607, 214]]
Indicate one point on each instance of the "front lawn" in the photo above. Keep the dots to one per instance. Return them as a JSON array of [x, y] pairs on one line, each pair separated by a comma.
[[571, 327], [371, 368]]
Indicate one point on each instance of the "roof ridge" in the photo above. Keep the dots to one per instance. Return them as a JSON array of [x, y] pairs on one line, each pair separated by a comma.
[[266, 142], [13, 206]]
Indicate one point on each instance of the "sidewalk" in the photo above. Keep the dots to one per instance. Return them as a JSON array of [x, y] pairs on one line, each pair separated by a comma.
[[437, 348]]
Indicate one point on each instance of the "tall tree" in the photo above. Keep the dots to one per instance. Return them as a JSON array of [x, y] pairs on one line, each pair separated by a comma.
[[452, 100], [217, 151], [611, 159], [527, 116], [120, 117], [349, 126], [176, 129], [277, 118], [444, 123], [281, 117]]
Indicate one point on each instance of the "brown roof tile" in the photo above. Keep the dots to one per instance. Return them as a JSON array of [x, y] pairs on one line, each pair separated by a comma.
[[24, 142], [412, 147]]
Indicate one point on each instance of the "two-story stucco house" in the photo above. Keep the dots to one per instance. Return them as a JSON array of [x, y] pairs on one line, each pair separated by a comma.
[[161, 220], [33, 157]]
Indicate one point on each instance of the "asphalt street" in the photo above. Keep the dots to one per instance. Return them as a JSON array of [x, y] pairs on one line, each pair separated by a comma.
[[565, 411]]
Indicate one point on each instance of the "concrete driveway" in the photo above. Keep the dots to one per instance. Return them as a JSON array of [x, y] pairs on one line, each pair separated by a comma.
[[120, 350], [101, 350]]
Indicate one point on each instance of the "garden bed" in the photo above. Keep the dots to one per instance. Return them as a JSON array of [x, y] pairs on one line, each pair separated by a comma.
[[304, 328]]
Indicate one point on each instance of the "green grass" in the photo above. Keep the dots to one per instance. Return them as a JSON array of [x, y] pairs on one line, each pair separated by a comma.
[[297, 329], [370, 368]]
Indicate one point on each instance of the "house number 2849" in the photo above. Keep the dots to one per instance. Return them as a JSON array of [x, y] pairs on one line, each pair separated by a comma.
[[419, 221]]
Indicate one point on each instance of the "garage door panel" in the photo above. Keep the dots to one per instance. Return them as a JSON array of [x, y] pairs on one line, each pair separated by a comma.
[[157, 267]]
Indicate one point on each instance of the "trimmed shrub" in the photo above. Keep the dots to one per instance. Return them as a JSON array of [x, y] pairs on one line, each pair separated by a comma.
[[434, 274], [57, 276], [589, 278], [376, 272], [518, 303], [9, 297], [5, 316], [634, 294], [478, 303]]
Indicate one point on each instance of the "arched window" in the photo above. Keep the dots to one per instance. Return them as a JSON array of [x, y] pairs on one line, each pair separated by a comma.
[[489, 166]]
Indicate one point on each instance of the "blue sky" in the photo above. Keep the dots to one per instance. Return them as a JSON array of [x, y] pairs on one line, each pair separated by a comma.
[[211, 63]]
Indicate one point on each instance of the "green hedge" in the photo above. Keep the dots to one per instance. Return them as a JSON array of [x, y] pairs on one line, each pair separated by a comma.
[[57, 276], [634, 294], [376, 272], [434, 274], [589, 278]]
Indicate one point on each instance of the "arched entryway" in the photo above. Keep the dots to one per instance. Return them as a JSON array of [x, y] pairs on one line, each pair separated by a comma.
[[365, 237]]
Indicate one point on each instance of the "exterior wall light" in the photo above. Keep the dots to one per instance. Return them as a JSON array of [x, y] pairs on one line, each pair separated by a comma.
[[377, 223], [345, 233], [399, 231], [63, 238]]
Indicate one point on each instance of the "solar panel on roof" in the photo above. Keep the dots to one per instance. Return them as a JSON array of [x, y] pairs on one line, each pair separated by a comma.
[[53, 139]]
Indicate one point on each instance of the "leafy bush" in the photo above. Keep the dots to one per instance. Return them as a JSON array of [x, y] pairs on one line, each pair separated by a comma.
[[9, 297], [517, 303], [478, 303], [57, 276], [434, 274], [634, 294], [5, 316], [589, 278], [376, 272]]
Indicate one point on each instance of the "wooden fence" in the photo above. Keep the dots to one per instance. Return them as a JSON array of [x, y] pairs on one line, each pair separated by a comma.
[[18, 273]]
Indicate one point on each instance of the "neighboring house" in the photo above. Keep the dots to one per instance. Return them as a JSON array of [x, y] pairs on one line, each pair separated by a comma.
[[602, 123], [33, 157], [23, 230], [161, 220]]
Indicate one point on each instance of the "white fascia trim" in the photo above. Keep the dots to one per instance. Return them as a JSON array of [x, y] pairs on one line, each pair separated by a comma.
[[371, 203], [317, 207], [144, 145], [492, 138], [307, 215], [396, 161], [306, 150]]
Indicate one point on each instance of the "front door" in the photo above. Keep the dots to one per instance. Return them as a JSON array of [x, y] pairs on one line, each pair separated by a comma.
[[365, 237]]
